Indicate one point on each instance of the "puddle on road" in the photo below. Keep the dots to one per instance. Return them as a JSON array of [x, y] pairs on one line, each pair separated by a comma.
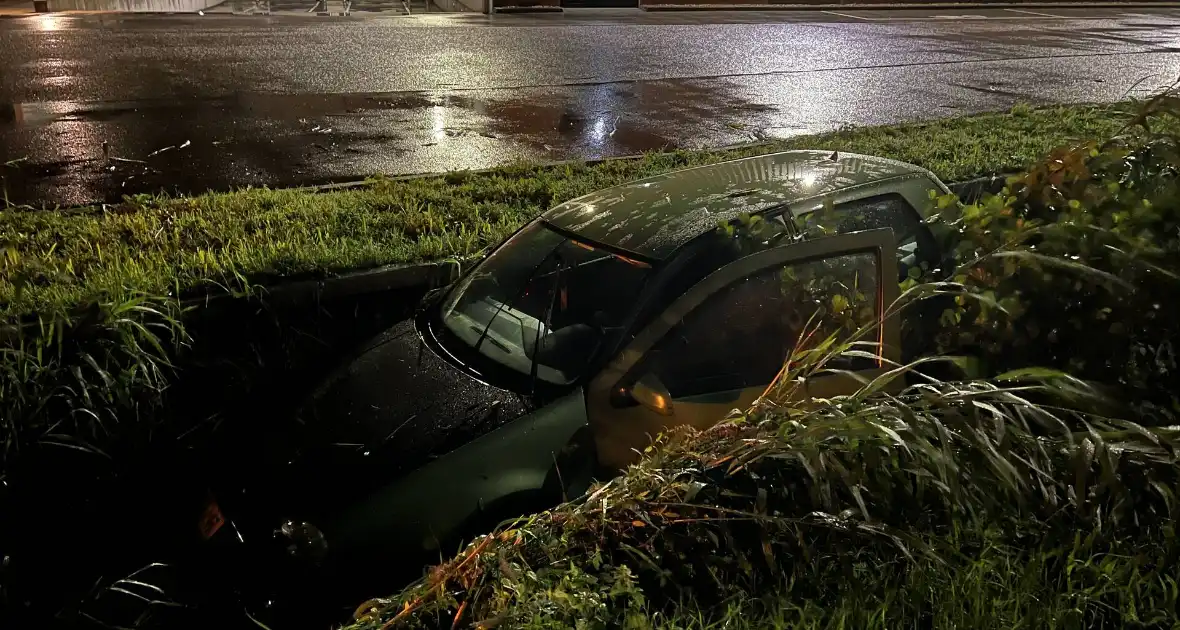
[[615, 119], [545, 123], [80, 152]]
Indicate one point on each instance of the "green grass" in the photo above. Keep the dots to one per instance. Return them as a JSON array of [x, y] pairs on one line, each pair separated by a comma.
[[999, 588], [55, 260]]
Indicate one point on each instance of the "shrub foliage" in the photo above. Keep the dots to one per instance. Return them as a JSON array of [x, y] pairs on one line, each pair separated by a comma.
[[1075, 263]]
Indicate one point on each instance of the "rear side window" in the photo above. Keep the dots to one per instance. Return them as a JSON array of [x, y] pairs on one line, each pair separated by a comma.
[[740, 336], [915, 243]]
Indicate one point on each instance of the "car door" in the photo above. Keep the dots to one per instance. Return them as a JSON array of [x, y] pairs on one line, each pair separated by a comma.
[[720, 345], [918, 252]]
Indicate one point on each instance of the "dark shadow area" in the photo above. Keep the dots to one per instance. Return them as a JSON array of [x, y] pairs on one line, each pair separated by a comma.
[[76, 523]]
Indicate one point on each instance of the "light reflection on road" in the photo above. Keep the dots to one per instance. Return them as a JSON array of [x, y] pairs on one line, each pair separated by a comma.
[[262, 101]]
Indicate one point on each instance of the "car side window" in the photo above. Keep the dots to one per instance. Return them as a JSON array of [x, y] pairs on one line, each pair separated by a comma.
[[741, 336], [915, 243]]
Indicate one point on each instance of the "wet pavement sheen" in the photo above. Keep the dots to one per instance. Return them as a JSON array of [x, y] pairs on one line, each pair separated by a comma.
[[93, 107]]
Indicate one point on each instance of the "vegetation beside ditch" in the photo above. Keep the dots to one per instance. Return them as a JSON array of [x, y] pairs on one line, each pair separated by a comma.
[[54, 261], [1037, 489], [92, 376], [92, 372]]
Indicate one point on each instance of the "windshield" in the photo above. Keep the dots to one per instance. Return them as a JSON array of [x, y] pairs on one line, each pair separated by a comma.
[[543, 296]]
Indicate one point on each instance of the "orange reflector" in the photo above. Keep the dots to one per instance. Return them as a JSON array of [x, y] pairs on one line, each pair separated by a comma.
[[211, 520]]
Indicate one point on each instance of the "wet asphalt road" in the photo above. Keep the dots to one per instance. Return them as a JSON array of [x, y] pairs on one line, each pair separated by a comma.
[[189, 103]]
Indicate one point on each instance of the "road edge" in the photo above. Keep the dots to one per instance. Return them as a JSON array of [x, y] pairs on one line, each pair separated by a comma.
[[905, 6]]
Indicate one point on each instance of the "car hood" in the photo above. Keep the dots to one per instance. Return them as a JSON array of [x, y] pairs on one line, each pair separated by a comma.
[[390, 408]]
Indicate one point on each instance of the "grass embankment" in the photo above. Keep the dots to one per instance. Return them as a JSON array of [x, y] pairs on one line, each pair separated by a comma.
[[167, 245], [86, 391], [1009, 497]]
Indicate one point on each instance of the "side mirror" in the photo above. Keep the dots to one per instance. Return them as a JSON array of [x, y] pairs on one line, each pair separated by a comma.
[[651, 393]]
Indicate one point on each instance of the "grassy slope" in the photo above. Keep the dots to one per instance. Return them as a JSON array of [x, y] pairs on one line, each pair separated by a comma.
[[55, 260], [998, 588], [989, 551]]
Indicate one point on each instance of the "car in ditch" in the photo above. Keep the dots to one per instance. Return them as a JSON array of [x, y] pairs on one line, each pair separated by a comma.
[[554, 360]]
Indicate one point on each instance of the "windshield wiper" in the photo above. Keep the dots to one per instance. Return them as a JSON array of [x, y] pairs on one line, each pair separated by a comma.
[[534, 359], [495, 342], [484, 334], [577, 266]]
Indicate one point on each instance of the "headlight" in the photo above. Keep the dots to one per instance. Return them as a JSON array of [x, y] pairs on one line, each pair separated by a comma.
[[303, 541]]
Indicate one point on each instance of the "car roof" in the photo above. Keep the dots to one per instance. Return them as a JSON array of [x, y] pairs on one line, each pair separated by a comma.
[[654, 217]]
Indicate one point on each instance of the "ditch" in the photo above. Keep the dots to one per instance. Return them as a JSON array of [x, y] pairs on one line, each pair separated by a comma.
[[84, 536]]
